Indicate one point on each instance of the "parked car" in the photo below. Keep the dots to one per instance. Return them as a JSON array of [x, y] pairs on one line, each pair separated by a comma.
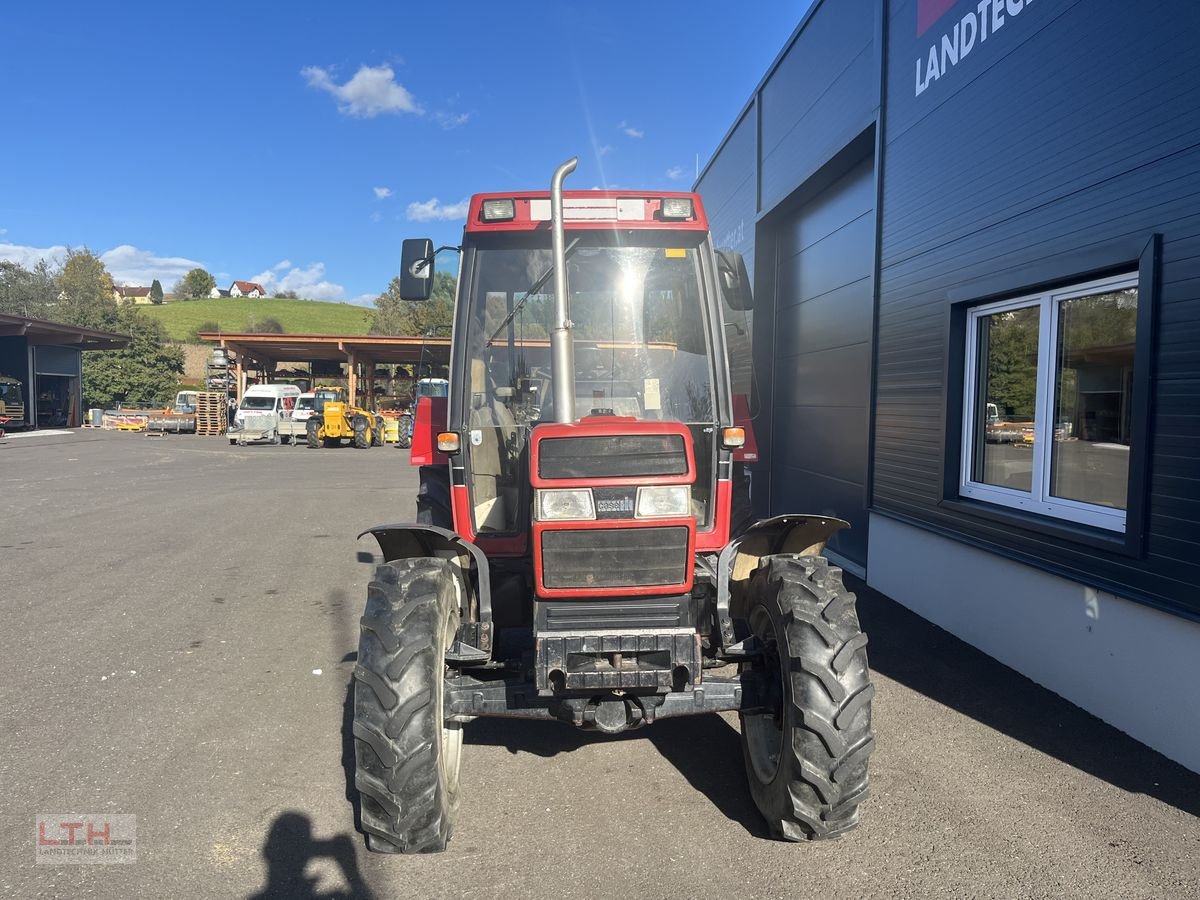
[[263, 400]]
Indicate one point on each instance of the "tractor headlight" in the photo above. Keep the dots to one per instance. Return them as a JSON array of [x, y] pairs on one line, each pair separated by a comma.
[[662, 502], [560, 504]]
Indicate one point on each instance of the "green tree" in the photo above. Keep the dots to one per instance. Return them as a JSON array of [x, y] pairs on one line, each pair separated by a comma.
[[195, 285], [204, 327], [266, 326], [407, 317], [25, 292], [145, 372], [84, 290], [156, 291], [1012, 349]]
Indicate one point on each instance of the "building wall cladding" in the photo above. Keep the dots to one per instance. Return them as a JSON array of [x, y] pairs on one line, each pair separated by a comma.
[[784, 192], [1070, 130]]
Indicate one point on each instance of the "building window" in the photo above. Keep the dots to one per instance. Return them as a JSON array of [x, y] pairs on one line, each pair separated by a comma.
[[1048, 402]]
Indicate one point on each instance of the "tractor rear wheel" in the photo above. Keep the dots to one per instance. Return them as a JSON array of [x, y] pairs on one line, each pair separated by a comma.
[[433, 497], [806, 756], [404, 433], [362, 432], [407, 756], [312, 433]]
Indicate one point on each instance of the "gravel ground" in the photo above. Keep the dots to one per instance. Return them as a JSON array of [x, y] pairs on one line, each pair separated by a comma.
[[166, 604]]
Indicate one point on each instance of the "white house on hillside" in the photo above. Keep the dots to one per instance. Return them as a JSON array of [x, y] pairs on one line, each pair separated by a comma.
[[247, 289], [217, 293]]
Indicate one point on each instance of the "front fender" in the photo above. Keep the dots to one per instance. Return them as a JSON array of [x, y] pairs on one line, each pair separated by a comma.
[[407, 541], [796, 534]]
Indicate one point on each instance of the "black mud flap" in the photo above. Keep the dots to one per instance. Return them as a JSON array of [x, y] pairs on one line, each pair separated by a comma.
[[475, 639], [801, 535]]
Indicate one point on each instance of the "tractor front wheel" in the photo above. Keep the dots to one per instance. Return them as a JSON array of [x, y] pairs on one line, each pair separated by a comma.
[[806, 754], [312, 433], [407, 756], [362, 432]]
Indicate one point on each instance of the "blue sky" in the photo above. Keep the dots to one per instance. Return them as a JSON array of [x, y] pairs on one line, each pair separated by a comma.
[[300, 143]]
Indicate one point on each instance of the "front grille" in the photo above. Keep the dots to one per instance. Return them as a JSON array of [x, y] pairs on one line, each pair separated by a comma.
[[615, 557], [612, 456]]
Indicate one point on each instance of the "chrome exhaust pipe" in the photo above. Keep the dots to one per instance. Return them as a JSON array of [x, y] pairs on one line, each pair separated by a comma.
[[562, 350]]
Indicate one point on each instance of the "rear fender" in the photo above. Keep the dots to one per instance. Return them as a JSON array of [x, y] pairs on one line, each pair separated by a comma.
[[793, 534], [410, 541]]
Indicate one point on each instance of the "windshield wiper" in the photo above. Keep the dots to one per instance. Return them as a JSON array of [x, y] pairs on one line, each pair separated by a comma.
[[533, 289]]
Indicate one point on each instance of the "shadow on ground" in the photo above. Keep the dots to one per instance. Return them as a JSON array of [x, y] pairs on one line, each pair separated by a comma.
[[705, 749], [933, 662], [290, 849], [348, 764]]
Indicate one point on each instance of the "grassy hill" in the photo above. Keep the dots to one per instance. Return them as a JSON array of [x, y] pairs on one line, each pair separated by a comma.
[[182, 317]]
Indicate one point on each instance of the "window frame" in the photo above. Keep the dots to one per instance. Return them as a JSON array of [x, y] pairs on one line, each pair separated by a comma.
[[1038, 499]]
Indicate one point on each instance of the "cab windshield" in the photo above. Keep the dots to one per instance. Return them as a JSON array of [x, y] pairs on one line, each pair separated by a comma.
[[641, 349], [639, 337], [257, 403]]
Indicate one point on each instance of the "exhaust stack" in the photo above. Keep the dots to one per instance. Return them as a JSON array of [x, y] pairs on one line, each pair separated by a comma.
[[562, 350]]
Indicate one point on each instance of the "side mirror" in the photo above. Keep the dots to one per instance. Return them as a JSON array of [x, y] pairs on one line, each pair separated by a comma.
[[416, 269], [735, 281]]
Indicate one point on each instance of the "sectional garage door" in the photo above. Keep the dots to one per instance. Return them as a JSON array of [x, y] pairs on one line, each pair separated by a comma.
[[822, 362]]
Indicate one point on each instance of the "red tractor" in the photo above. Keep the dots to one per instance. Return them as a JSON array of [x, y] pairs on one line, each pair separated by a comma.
[[582, 550]]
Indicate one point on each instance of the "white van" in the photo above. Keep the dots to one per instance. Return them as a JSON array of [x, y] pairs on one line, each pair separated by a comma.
[[265, 399], [306, 407]]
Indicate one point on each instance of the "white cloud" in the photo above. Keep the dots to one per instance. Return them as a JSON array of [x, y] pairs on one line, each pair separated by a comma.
[[30, 256], [372, 91], [382, 193], [376, 216], [309, 283], [450, 121], [433, 209], [603, 150], [282, 264], [631, 131], [129, 265], [363, 300], [125, 263], [676, 172]]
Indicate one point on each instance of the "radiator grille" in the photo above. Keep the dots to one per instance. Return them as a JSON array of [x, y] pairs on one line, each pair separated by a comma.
[[615, 557], [612, 456]]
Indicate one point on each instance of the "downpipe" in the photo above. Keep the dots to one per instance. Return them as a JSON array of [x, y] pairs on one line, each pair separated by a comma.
[[562, 350]]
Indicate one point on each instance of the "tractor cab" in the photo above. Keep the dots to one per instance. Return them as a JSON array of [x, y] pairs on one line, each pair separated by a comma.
[[580, 551]]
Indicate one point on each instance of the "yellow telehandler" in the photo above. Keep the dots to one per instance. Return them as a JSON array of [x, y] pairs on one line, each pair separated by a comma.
[[336, 419]]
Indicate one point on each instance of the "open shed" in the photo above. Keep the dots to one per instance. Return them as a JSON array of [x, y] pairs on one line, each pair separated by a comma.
[[355, 352], [46, 358]]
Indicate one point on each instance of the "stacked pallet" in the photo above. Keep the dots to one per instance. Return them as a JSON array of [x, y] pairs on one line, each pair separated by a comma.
[[212, 412]]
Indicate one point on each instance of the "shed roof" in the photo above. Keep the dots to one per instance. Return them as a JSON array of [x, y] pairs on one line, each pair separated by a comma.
[[335, 347], [41, 331]]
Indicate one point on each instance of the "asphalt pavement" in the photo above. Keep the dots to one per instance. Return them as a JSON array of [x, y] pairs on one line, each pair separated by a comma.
[[178, 623]]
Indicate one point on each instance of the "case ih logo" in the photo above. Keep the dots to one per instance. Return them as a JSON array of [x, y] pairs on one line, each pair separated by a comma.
[[615, 505], [959, 35]]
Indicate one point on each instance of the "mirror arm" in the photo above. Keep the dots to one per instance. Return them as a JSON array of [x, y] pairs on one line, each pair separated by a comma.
[[420, 264]]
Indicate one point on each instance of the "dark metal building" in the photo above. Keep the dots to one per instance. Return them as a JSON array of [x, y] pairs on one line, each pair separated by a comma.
[[46, 358], [974, 231]]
